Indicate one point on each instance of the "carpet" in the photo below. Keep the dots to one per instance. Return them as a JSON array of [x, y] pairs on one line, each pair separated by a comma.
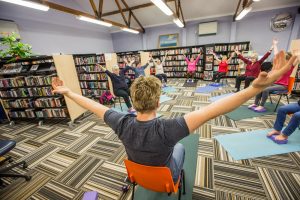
[[205, 89], [190, 84]]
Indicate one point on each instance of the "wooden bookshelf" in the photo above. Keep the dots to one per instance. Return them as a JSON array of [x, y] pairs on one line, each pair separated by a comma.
[[93, 81], [129, 55], [26, 91]]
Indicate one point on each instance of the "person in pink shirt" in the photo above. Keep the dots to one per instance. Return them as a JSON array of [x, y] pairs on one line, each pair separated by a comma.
[[191, 69], [280, 85]]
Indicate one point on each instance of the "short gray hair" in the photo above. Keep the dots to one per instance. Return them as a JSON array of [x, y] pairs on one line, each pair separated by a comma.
[[115, 67]]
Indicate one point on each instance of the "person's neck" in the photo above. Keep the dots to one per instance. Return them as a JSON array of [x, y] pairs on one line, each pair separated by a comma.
[[146, 116]]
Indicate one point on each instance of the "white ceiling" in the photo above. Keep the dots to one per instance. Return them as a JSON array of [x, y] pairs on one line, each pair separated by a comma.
[[149, 16]]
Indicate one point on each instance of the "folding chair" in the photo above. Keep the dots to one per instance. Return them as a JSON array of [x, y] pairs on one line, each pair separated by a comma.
[[118, 98], [283, 93], [158, 179]]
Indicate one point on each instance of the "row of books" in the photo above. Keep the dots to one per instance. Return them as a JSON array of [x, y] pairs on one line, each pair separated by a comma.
[[175, 74], [12, 82], [89, 68], [27, 92], [221, 48], [93, 77], [44, 113], [92, 85], [240, 47], [11, 69], [95, 92], [183, 63], [92, 59], [173, 69], [30, 103], [39, 80]]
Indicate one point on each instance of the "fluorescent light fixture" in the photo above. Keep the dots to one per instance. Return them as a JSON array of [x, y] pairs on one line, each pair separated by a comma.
[[178, 22], [95, 21], [163, 7], [28, 4], [243, 13], [130, 30], [256, 0]]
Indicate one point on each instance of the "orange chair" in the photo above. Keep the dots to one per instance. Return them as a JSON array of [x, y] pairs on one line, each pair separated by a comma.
[[158, 179], [284, 93]]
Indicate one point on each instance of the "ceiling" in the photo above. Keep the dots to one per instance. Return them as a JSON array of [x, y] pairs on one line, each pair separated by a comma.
[[148, 17]]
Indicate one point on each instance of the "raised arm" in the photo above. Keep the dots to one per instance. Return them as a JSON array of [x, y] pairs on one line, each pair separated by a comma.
[[84, 102], [164, 58], [105, 70], [216, 57], [275, 47], [198, 57], [197, 118], [266, 56], [238, 53], [230, 58]]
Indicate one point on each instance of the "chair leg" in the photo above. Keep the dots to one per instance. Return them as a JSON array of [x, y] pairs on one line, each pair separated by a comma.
[[278, 103], [133, 188], [287, 98], [179, 193], [13, 166], [9, 159], [120, 104], [27, 178], [270, 99], [183, 181]]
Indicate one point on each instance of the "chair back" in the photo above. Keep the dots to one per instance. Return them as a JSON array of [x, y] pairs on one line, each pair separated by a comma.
[[291, 84], [158, 179]]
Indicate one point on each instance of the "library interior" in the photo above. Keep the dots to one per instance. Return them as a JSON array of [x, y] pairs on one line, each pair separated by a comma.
[[149, 99]]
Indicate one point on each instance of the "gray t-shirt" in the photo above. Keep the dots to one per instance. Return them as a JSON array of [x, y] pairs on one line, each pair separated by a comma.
[[147, 142]]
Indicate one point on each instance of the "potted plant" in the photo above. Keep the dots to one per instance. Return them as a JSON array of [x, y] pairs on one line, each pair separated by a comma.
[[14, 48]]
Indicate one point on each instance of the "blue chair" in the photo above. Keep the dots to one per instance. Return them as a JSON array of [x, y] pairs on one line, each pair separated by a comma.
[[5, 147]]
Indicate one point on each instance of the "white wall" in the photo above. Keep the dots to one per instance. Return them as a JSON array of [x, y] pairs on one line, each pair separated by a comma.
[[57, 32]]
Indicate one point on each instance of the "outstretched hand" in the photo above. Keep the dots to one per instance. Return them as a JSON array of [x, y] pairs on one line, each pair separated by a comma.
[[58, 86], [280, 67]]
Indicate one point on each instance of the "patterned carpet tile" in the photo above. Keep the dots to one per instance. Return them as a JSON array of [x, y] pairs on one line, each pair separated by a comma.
[[205, 147], [221, 195], [204, 175], [64, 139], [57, 163], [280, 184], [238, 179], [203, 194], [24, 148], [80, 171], [103, 149]]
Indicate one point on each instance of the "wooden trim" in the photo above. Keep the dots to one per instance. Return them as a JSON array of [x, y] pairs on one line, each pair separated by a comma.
[[180, 9], [129, 18], [132, 8], [77, 12], [236, 10], [121, 11], [94, 8], [133, 15], [100, 8], [177, 8]]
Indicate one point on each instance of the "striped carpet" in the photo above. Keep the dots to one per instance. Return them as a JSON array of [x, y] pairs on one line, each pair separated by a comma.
[[64, 162]]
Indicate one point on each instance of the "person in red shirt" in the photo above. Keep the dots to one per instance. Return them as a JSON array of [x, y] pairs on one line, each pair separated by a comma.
[[223, 67], [252, 68]]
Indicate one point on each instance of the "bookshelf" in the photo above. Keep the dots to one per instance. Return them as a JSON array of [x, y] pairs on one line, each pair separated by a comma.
[[93, 81], [26, 91], [129, 55], [175, 65]]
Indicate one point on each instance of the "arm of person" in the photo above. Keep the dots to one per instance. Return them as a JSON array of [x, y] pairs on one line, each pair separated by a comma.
[[245, 60], [230, 58], [216, 57], [84, 102], [164, 58], [197, 118], [105, 70], [145, 66], [198, 57], [275, 47], [265, 56]]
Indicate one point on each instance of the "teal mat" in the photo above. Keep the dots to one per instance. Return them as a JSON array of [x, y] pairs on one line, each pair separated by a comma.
[[243, 112], [191, 147], [168, 89], [164, 98], [124, 107], [255, 144]]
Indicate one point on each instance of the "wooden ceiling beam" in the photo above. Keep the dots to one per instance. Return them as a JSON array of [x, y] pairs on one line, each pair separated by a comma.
[[94, 8], [131, 8], [100, 8], [180, 9], [133, 15], [78, 13], [121, 11]]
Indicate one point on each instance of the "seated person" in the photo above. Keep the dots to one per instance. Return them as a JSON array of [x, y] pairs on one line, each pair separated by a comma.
[[293, 108], [280, 85], [223, 67], [159, 70], [139, 70], [120, 86], [191, 69], [252, 68], [154, 141]]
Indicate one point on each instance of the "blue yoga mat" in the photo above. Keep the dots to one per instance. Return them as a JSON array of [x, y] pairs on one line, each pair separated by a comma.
[[164, 98], [255, 144], [205, 89], [168, 89], [216, 98]]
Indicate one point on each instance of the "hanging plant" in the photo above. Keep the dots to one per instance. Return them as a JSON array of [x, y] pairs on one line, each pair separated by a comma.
[[14, 48]]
